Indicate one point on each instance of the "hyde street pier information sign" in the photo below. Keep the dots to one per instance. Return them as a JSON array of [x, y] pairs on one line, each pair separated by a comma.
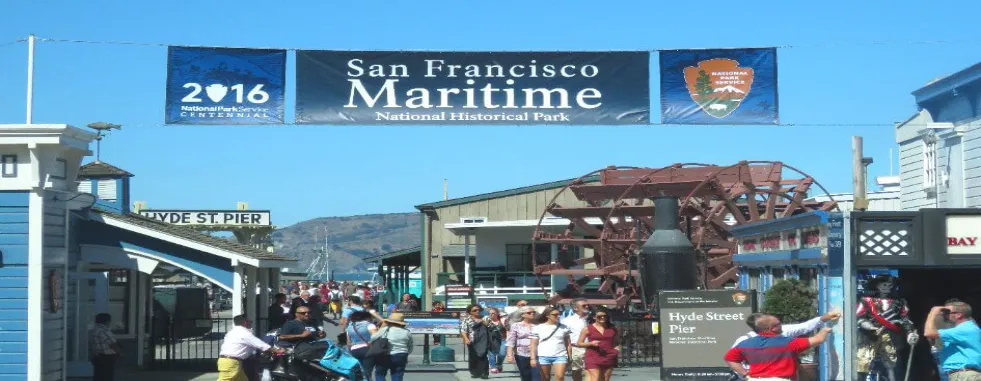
[[697, 328]]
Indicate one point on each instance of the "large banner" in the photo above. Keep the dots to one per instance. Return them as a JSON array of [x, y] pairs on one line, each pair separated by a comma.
[[719, 86], [225, 86], [697, 329], [597, 88]]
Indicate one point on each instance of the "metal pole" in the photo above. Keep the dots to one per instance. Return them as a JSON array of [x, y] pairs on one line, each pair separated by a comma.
[[858, 174], [30, 79], [849, 327], [326, 255]]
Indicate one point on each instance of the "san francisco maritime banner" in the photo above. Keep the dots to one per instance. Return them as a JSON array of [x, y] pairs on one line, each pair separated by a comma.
[[345, 87], [719, 86]]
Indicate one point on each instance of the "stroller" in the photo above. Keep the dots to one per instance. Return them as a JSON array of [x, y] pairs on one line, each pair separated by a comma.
[[321, 360]]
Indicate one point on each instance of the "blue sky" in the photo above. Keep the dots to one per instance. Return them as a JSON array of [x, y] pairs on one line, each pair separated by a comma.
[[832, 76]]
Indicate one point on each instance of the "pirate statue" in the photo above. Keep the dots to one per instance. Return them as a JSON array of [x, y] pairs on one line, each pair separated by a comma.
[[884, 328]]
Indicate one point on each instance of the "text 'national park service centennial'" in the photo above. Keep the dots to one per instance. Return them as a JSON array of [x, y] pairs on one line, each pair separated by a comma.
[[602, 88]]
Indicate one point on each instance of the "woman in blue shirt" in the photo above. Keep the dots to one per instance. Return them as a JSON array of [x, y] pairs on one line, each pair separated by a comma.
[[359, 332]]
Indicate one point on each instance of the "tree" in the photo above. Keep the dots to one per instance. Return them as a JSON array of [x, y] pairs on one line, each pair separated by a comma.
[[703, 84], [790, 300]]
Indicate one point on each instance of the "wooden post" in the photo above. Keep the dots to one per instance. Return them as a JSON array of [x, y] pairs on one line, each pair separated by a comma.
[[860, 197]]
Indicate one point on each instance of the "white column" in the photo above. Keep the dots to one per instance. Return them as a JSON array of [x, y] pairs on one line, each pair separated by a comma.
[[251, 277], [466, 258], [237, 292], [35, 278], [264, 296]]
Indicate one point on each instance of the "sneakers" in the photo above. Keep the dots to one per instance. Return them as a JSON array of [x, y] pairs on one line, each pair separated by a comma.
[[495, 371]]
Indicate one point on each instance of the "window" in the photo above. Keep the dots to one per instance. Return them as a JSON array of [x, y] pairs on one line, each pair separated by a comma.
[[107, 190], [472, 220], [808, 276], [929, 163], [778, 273], [85, 186], [519, 256], [754, 279]]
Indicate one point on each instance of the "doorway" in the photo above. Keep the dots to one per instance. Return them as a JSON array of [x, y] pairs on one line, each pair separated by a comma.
[[91, 297], [924, 288]]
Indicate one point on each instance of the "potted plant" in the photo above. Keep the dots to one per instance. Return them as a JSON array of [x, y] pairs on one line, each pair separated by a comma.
[[794, 302]]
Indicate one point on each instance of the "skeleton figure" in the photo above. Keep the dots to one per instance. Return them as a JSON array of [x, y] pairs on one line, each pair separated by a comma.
[[883, 324]]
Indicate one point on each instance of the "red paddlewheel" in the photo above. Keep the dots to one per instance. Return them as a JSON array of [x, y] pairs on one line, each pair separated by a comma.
[[616, 216]]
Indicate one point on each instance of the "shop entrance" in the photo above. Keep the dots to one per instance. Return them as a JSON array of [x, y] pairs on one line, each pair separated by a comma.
[[924, 288]]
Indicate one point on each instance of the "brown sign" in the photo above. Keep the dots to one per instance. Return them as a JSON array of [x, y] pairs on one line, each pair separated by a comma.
[[697, 328], [719, 85]]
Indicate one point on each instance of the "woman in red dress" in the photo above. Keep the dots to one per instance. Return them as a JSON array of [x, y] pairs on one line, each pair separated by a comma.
[[602, 342]]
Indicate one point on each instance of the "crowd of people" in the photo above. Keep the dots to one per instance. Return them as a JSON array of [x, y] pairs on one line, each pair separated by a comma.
[[542, 346]]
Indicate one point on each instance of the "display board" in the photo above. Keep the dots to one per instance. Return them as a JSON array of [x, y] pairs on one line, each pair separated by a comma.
[[432, 323], [458, 297], [697, 329]]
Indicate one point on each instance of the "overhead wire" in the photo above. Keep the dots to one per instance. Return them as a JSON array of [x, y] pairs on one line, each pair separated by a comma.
[[785, 46]]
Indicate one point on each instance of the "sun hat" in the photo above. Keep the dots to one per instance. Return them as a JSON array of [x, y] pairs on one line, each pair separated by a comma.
[[396, 318]]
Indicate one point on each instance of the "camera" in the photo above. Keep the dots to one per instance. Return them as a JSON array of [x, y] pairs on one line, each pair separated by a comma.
[[945, 312]]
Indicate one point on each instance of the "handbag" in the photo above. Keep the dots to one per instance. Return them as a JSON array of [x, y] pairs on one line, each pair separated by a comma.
[[380, 346]]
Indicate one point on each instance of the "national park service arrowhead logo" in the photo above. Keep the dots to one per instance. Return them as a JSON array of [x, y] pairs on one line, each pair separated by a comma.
[[718, 85], [740, 298]]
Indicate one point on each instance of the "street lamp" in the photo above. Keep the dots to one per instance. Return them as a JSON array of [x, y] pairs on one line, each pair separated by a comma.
[[668, 258]]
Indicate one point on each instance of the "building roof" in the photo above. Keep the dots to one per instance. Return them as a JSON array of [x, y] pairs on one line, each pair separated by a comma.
[[945, 84], [406, 256], [180, 232], [101, 169], [503, 193]]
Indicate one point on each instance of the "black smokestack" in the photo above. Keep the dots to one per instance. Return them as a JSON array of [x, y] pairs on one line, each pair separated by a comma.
[[668, 256]]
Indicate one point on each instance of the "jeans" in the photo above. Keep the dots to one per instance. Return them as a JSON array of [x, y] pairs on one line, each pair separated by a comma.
[[496, 359], [103, 367], [367, 363], [525, 371], [477, 364], [394, 364]]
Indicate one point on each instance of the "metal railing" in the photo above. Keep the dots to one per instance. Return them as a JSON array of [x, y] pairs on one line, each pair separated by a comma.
[[513, 281], [190, 344]]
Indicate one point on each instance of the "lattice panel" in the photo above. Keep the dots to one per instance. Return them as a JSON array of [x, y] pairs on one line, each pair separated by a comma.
[[886, 242]]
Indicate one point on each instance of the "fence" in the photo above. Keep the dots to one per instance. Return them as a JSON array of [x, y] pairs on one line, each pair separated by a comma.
[[190, 344], [639, 347]]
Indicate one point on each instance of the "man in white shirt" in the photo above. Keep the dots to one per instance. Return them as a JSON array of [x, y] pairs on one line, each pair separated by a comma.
[[238, 346], [789, 330], [576, 322]]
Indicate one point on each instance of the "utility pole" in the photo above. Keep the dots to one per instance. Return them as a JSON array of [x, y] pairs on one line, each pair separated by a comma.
[[860, 173]]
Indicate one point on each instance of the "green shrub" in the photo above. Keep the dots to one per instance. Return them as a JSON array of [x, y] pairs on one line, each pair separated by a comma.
[[790, 300]]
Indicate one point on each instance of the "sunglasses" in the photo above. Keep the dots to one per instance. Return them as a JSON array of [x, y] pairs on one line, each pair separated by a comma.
[[302, 312], [601, 316], [553, 314], [476, 310]]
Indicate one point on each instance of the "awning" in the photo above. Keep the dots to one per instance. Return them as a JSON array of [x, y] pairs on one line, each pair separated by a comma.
[[132, 241], [406, 257]]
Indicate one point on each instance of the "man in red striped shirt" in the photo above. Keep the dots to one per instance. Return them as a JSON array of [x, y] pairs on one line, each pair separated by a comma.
[[771, 356]]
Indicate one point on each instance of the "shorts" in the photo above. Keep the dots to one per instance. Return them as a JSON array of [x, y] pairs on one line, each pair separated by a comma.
[[549, 360], [577, 359]]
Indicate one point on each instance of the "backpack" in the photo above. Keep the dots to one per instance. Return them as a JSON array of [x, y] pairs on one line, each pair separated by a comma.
[[335, 295], [311, 350]]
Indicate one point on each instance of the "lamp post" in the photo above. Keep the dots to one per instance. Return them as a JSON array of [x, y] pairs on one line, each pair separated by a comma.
[[667, 258]]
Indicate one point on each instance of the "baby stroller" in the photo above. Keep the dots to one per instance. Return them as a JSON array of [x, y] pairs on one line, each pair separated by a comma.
[[321, 360]]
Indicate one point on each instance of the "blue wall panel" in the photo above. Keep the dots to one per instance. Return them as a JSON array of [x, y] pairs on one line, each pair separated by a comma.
[[13, 285]]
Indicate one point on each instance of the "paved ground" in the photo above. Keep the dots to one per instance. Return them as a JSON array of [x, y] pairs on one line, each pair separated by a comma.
[[510, 374]]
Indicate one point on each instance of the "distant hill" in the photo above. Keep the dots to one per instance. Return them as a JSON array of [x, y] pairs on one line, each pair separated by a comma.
[[349, 238]]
